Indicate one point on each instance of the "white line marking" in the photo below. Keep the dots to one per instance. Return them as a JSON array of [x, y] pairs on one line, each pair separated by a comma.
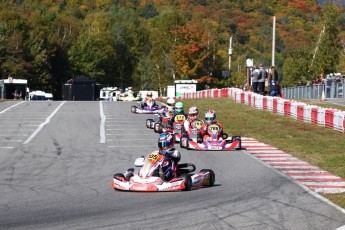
[[315, 177], [19, 134], [43, 124], [288, 163], [304, 171], [102, 125], [272, 156], [129, 146], [325, 183], [282, 167], [278, 158], [128, 129], [6, 147], [3, 111], [132, 139], [11, 140]]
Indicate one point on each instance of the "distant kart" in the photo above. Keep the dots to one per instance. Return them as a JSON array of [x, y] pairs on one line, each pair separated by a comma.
[[128, 98], [215, 141], [151, 108], [150, 176]]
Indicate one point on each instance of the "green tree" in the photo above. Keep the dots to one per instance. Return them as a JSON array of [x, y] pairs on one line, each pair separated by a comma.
[[326, 53]]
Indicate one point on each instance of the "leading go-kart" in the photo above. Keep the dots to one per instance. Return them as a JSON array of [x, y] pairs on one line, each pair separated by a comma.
[[151, 108], [150, 176], [216, 141]]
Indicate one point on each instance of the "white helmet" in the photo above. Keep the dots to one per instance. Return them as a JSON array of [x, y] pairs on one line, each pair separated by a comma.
[[193, 113], [171, 102]]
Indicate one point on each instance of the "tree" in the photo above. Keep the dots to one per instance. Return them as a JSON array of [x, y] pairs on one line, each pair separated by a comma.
[[326, 53]]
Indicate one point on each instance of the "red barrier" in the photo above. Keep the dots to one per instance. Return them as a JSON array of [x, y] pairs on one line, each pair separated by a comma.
[[329, 115], [224, 92], [300, 112], [215, 93], [203, 94], [264, 103], [287, 108], [314, 112], [275, 105], [249, 99], [242, 97]]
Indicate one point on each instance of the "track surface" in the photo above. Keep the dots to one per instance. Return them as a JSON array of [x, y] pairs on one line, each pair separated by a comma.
[[60, 179]]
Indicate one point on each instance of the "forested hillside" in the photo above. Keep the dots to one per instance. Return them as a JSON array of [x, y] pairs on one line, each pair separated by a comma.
[[149, 43]]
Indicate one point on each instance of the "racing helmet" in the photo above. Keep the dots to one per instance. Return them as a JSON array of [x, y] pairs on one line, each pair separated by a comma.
[[149, 94], [171, 102], [179, 107], [210, 116], [193, 112], [166, 141]]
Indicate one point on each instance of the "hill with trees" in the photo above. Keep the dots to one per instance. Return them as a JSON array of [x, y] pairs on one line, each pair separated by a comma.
[[151, 43]]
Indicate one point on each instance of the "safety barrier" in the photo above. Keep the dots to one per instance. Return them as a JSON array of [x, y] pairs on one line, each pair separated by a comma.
[[339, 121], [321, 116], [308, 113], [329, 118]]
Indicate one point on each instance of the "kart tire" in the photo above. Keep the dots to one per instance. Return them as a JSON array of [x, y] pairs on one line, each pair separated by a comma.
[[119, 176], [184, 142], [133, 109], [148, 123], [188, 183], [156, 127], [234, 138], [160, 128], [212, 176]]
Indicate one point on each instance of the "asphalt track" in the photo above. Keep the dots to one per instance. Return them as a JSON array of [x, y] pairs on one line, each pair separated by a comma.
[[57, 162]]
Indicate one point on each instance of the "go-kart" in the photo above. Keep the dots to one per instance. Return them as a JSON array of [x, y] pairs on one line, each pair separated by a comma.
[[150, 123], [176, 127], [151, 108], [150, 177], [214, 142]]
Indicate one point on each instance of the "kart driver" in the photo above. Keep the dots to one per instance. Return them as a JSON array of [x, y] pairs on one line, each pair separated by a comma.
[[146, 100], [178, 111], [193, 113], [166, 143], [210, 119], [170, 108]]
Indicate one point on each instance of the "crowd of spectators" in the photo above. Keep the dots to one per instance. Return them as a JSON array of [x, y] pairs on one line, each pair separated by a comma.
[[328, 80]]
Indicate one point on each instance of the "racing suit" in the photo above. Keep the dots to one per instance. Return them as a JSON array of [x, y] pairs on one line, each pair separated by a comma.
[[172, 157], [189, 124], [205, 126], [144, 103]]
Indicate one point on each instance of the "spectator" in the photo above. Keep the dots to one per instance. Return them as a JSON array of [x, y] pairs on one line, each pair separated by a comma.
[[261, 79], [254, 76], [273, 83]]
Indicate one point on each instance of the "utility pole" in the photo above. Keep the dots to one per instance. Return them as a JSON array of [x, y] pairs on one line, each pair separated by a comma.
[[273, 47], [230, 54]]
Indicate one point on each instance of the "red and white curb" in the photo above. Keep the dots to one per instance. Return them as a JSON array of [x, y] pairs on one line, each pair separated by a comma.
[[311, 176]]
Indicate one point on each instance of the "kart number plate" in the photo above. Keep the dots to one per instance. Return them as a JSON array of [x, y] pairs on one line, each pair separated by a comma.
[[197, 124], [180, 118], [214, 147]]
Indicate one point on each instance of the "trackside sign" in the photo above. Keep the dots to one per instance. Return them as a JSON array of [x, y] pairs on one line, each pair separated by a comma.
[[184, 86]]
